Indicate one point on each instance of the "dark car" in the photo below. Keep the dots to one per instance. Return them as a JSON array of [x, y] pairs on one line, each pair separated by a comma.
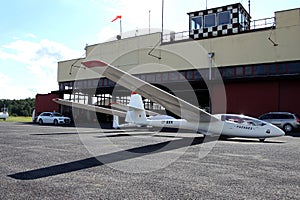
[[284, 120]]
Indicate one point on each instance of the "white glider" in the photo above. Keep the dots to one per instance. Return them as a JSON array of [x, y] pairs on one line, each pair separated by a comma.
[[192, 117]]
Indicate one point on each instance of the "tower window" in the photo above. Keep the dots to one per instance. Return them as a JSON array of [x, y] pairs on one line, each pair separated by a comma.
[[197, 22], [224, 18], [210, 20]]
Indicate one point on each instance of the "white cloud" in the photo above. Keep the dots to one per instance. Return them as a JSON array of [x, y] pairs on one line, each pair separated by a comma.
[[135, 14], [106, 34], [38, 61], [30, 35], [10, 89]]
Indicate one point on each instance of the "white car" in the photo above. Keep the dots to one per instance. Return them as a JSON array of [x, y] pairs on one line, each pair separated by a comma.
[[52, 118]]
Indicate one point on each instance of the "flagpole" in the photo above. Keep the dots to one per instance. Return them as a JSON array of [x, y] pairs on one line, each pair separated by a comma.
[[120, 26], [162, 19], [149, 21], [119, 17]]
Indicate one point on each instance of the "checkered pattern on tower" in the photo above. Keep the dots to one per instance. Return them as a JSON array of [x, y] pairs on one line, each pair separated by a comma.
[[220, 30]]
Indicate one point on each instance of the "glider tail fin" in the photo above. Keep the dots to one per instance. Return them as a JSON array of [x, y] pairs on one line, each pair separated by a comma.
[[136, 113]]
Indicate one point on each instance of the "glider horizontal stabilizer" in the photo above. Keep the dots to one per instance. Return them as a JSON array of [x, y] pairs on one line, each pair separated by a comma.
[[90, 107]]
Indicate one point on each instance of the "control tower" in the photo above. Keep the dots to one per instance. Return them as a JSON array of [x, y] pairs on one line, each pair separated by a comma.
[[220, 21]]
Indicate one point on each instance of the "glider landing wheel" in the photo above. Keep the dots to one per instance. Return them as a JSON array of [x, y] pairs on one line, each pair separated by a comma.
[[262, 139]]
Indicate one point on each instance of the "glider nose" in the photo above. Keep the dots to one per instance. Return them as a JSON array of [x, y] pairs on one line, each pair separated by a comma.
[[275, 131], [282, 133]]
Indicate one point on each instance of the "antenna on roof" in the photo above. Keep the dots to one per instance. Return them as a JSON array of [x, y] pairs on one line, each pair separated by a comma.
[[249, 7], [149, 21], [162, 19]]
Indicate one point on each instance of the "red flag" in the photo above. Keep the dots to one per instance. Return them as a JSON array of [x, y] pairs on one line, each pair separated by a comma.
[[117, 17]]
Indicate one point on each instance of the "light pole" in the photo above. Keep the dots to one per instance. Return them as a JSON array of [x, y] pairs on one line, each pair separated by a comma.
[[210, 56]]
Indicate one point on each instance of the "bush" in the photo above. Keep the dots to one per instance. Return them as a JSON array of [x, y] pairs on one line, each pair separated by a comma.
[[22, 107]]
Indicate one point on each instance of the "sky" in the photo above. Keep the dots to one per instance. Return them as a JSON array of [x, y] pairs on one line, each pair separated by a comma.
[[35, 34]]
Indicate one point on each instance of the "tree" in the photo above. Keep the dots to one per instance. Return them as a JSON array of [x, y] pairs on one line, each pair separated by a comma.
[[22, 107]]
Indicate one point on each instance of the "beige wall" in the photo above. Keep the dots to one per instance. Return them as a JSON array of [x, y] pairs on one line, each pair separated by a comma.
[[255, 47], [288, 18], [131, 54]]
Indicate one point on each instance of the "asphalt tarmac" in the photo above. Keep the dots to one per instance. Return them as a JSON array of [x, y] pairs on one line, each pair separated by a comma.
[[48, 162]]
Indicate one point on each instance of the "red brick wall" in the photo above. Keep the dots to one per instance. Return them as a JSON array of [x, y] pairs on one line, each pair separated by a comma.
[[255, 98], [289, 96], [44, 103]]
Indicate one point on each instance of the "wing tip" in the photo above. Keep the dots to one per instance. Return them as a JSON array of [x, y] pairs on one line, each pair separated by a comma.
[[55, 99], [94, 63]]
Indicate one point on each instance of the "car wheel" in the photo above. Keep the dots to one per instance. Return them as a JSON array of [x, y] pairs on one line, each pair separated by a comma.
[[40, 121], [287, 128], [55, 122]]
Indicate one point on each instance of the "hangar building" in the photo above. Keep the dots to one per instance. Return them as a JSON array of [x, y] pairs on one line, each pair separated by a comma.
[[257, 60]]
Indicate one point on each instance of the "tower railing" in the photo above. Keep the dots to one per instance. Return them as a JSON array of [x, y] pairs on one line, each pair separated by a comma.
[[254, 25], [263, 23]]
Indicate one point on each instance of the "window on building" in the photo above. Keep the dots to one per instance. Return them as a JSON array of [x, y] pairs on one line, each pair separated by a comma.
[[210, 20], [204, 73], [224, 18], [239, 72], [79, 84], [260, 70], [138, 76], [158, 77], [151, 78], [61, 86], [248, 71], [111, 83], [282, 68], [70, 86], [105, 82], [89, 83], [190, 75], [294, 68], [84, 83], [182, 76], [197, 75], [197, 23], [165, 77], [143, 77], [272, 69], [173, 76], [228, 72], [100, 82], [95, 83], [244, 24]]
